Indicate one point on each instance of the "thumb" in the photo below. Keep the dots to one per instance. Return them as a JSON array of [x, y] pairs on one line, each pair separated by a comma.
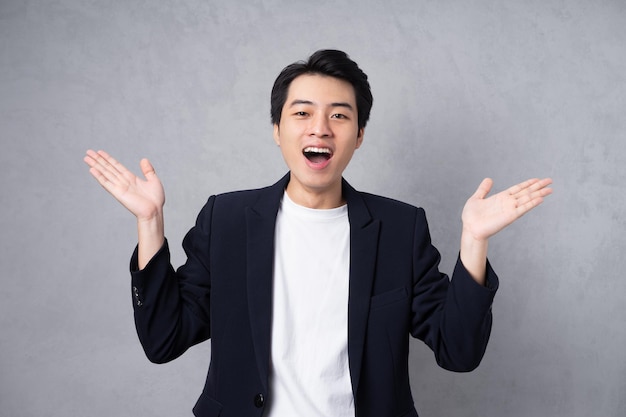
[[146, 168], [483, 189]]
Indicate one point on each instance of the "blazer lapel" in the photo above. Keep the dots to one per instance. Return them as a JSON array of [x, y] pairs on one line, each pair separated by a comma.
[[260, 223], [363, 249]]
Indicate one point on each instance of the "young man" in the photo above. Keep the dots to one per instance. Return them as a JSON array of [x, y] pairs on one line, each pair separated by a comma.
[[308, 288]]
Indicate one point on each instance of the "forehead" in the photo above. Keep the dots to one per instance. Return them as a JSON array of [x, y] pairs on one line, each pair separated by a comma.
[[321, 90]]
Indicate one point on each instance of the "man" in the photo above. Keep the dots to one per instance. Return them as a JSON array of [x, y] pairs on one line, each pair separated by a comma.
[[308, 288]]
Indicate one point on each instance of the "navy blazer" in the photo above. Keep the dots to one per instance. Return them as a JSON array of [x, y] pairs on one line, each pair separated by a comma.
[[224, 292]]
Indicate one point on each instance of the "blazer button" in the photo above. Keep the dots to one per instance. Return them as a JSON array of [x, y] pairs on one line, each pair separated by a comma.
[[136, 293], [259, 400]]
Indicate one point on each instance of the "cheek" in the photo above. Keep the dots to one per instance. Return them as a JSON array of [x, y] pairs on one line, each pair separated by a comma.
[[290, 152]]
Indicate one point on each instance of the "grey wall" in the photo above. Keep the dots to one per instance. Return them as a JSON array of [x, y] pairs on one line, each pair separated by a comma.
[[463, 90]]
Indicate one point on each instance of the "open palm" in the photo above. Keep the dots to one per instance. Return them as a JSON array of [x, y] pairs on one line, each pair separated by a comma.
[[142, 197], [485, 216]]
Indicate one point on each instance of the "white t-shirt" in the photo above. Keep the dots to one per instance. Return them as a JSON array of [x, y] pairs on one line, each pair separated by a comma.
[[310, 375]]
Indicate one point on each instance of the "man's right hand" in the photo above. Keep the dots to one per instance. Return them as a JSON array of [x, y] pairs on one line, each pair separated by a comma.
[[142, 197]]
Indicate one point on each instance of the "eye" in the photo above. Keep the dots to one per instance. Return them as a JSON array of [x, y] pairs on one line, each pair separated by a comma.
[[301, 114], [339, 116]]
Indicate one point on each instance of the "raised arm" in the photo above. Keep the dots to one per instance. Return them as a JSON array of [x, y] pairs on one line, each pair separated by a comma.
[[142, 197], [485, 216]]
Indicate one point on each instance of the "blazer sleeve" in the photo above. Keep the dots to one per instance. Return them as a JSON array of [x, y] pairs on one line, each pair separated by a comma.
[[172, 308], [453, 317]]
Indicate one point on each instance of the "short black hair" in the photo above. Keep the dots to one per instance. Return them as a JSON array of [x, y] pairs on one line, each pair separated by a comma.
[[330, 63]]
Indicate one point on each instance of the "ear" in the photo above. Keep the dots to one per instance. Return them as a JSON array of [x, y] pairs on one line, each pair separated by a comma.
[[276, 134], [359, 138]]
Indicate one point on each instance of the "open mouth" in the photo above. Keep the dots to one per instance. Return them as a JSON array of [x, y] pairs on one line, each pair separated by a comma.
[[317, 155]]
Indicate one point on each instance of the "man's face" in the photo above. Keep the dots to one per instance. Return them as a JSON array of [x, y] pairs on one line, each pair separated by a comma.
[[318, 134]]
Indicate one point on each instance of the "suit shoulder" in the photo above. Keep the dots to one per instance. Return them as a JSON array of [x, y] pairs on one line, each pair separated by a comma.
[[241, 196], [377, 203], [266, 200]]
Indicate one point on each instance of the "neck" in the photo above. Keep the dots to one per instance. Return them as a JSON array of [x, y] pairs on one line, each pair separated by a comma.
[[327, 199]]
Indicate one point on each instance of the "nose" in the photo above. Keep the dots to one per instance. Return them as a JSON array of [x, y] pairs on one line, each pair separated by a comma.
[[320, 126]]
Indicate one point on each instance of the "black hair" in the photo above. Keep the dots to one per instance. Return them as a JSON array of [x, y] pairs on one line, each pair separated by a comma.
[[330, 63]]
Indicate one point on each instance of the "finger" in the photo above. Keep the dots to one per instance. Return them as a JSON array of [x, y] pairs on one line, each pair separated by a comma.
[[111, 175], [100, 160], [527, 202], [539, 184], [111, 163], [530, 197], [542, 184], [102, 179], [107, 170], [521, 187], [533, 188], [483, 189], [146, 168], [528, 205], [90, 153], [114, 170], [532, 184], [91, 158], [95, 168]]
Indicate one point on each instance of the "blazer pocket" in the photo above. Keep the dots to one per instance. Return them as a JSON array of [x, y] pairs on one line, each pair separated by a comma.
[[389, 297], [207, 407]]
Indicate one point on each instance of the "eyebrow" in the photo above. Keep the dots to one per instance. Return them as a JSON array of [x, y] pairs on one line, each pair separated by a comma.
[[309, 102]]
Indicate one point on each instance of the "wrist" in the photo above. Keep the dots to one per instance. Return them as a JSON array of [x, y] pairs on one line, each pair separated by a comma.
[[471, 238], [151, 236], [150, 226], [473, 255]]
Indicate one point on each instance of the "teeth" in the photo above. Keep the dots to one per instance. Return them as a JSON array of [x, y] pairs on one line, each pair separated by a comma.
[[316, 150]]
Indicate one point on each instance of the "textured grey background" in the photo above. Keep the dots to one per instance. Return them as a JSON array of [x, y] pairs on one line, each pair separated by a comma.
[[463, 90]]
